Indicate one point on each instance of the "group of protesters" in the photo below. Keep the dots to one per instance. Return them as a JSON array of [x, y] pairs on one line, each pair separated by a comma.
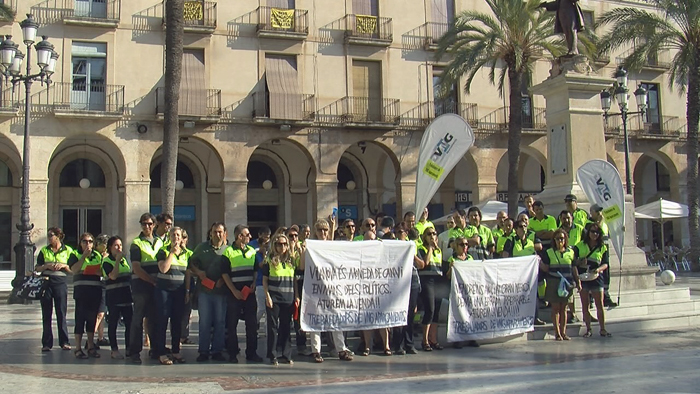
[[231, 277]]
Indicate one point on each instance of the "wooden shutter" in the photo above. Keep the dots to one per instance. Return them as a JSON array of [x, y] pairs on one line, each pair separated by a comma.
[[283, 86]]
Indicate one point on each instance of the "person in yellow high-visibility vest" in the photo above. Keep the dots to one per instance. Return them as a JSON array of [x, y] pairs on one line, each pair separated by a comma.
[[86, 266]]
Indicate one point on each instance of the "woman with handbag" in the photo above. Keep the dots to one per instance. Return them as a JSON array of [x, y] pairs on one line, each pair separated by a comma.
[[52, 262], [557, 263], [86, 265], [592, 258], [117, 273]]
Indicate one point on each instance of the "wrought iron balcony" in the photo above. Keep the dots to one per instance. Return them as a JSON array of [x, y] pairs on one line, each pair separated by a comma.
[[533, 121], [654, 62], [283, 23], [95, 99], [361, 112], [9, 101], [94, 13], [195, 104], [297, 108], [433, 31], [424, 113], [200, 16], [368, 30]]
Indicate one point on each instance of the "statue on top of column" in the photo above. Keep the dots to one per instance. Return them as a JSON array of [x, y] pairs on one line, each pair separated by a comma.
[[569, 21]]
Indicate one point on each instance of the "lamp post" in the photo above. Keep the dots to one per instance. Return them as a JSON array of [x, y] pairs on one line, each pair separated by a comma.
[[11, 59], [621, 96]]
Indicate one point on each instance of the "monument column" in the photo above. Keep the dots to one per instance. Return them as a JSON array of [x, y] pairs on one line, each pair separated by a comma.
[[575, 135]]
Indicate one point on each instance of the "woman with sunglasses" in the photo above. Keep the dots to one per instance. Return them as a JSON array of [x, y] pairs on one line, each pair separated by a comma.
[[592, 258], [169, 297], [324, 232], [429, 264], [117, 272], [557, 262], [86, 265], [52, 262], [280, 295]]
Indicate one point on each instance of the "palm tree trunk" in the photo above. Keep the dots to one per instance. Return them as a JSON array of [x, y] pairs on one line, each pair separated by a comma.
[[693, 116], [174, 32], [515, 123]]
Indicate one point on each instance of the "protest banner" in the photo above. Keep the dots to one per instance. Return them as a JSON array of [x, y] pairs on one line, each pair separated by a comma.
[[603, 186], [444, 143], [491, 299], [356, 285]]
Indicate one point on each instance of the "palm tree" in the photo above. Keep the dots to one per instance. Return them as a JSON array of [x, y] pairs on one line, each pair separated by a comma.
[[174, 33], [6, 12], [675, 27], [510, 41]]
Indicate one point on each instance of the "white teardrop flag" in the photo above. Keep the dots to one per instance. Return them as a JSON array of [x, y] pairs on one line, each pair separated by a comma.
[[603, 186], [444, 143]]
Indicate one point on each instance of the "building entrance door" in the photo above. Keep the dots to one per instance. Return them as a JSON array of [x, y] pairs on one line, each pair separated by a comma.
[[77, 220]]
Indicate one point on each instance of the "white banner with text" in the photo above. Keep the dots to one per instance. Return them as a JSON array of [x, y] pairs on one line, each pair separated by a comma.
[[356, 285], [492, 298]]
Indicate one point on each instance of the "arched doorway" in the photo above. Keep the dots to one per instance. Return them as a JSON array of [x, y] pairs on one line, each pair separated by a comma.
[[531, 177], [7, 201], [375, 170], [83, 199], [265, 194], [186, 199], [652, 181], [458, 191], [350, 181]]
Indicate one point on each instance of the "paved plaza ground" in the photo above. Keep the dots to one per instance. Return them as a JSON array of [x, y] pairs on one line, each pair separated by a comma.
[[642, 362]]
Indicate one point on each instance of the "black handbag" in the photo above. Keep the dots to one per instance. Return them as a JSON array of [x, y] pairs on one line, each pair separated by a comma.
[[34, 287]]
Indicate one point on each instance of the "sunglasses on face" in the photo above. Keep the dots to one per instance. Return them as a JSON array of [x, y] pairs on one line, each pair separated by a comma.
[[87, 241], [293, 235], [371, 224], [522, 227], [322, 229], [281, 244], [431, 233], [350, 226], [168, 223], [462, 244], [560, 239], [147, 224]]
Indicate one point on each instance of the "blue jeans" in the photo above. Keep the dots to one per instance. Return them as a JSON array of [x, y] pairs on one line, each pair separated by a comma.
[[212, 312]]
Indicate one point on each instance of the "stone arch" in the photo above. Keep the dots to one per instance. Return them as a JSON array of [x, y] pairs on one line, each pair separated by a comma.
[[463, 179], [195, 208], [378, 169], [652, 179], [91, 209], [12, 159], [531, 172]]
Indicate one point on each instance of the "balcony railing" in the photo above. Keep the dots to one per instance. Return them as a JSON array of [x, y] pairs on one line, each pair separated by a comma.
[[424, 113], [368, 30], [433, 32], [8, 101], [361, 111], [92, 11], [82, 97], [305, 110], [10, 3], [498, 120], [660, 60], [200, 16], [639, 127], [197, 103], [283, 23]]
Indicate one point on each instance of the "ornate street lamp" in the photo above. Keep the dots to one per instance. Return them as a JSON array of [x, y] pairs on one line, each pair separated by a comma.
[[11, 59], [621, 96]]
